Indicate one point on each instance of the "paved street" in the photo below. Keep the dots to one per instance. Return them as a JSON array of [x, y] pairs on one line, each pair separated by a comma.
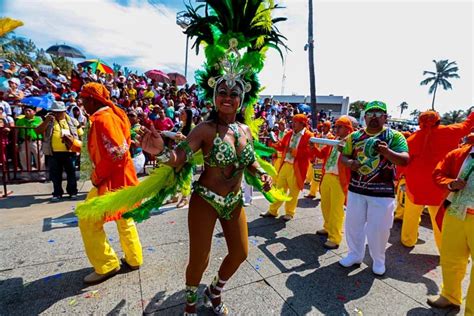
[[288, 272]]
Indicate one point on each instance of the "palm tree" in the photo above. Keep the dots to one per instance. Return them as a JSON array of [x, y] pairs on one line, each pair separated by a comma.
[[312, 77], [415, 114], [444, 69], [451, 117], [403, 106]]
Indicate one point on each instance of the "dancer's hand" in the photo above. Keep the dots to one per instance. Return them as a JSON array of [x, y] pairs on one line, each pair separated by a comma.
[[179, 136], [267, 182], [457, 185]]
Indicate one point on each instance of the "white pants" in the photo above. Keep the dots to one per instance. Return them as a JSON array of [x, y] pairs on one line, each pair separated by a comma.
[[372, 217], [139, 162], [248, 192]]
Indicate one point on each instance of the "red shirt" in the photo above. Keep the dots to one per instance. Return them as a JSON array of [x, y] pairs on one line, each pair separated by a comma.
[[165, 124]]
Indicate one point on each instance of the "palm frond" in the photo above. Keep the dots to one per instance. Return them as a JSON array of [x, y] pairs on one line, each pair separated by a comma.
[[433, 87], [445, 83], [427, 80]]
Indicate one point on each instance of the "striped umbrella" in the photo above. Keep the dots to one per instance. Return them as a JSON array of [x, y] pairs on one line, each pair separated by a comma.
[[97, 64]]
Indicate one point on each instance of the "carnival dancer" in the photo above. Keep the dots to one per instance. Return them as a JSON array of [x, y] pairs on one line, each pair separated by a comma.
[[108, 146], [427, 147], [334, 185], [454, 174], [227, 146], [371, 154], [297, 153]]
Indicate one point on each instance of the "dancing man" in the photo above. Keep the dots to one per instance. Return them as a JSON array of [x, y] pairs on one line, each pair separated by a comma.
[[108, 146], [428, 146]]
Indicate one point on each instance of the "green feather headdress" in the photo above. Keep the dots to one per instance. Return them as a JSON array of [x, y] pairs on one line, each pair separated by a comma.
[[236, 35]]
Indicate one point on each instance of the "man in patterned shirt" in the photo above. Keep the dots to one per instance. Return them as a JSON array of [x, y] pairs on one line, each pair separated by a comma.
[[372, 154]]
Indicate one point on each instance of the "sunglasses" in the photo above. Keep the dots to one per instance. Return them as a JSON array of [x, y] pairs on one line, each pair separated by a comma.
[[375, 114]]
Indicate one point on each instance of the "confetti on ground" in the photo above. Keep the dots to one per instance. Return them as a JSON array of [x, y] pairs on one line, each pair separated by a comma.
[[111, 239], [51, 241], [171, 222], [358, 311], [92, 294], [257, 267], [357, 283], [150, 249], [259, 259], [72, 302], [51, 277], [341, 298], [254, 242]]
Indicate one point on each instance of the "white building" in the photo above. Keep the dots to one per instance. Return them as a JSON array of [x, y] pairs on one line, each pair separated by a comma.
[[335, 105]]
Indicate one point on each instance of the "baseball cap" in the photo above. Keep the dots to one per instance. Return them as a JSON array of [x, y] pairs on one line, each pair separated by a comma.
[[376, 105]]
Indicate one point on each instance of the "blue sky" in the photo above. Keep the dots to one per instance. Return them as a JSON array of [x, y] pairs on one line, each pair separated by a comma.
[[366, 50]]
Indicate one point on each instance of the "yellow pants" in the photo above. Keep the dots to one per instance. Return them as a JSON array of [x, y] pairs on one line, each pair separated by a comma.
[[315, 181], [401, 197], [101, 255], [286, 180], [309, 175], [277, 163], [411, 221], [332, 206], [458, 245]]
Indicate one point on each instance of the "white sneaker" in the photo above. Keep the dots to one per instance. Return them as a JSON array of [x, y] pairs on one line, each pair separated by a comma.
[[349, 261], [378, 269]]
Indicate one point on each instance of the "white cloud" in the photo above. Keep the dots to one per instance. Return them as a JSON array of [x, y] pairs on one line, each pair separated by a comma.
[[145, 33], [365, 50]]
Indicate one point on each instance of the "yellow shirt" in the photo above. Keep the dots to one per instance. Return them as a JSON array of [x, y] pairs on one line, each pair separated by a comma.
[[132, 94], [148, 95], [56, 139]]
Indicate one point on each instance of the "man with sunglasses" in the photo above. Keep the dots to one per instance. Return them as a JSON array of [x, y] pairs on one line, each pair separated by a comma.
[[371, 154]]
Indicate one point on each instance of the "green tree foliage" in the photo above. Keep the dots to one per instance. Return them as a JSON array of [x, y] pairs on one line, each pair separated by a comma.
[[355, 108], [451, 117]]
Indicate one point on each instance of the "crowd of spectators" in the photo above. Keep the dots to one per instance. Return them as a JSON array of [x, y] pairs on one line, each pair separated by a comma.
[[147, 102]]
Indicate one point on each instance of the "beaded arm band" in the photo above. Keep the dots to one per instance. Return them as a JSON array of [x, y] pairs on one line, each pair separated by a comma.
[[164, 156], [260, 172], [184, 145]]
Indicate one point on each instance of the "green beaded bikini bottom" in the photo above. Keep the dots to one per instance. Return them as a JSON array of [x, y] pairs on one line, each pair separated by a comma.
[[224, 205]]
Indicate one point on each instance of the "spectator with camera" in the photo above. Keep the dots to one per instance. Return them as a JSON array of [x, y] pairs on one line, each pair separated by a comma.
[[61, 143]]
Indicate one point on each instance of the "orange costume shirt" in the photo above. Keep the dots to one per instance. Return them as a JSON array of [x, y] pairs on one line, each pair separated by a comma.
[[304, 154], [108, 146], [427, 147]]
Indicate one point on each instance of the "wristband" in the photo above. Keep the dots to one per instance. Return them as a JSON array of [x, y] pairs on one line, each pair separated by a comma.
[[260, 172], [184, 145], [164, 156]]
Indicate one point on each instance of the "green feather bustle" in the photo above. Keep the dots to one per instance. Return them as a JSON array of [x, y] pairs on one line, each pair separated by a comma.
[[271, 196]]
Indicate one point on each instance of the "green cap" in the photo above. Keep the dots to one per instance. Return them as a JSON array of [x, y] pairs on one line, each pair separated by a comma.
[[376, 105]]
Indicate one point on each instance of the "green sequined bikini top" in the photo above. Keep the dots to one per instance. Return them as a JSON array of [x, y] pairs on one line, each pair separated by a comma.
[[223, 154]]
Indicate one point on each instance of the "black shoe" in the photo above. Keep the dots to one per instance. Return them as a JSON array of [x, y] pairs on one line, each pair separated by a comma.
[[125, 263]]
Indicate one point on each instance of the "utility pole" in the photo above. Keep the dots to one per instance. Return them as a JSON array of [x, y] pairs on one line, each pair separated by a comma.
[[312, 77]]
